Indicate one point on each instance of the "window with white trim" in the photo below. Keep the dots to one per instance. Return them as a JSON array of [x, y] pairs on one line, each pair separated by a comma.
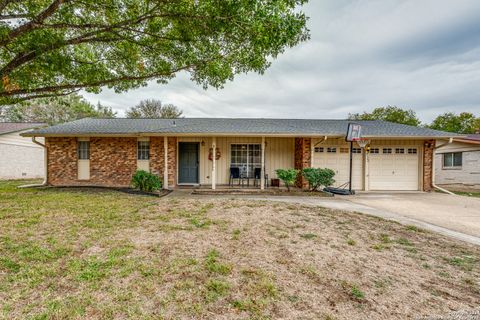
[[332, 150], [357, 150], [412, 151], [83, 150], [319, 149], [399, 150], [143, 150], [247, 157], [387, 151], [375, 150], [344, 150], [453, 160]]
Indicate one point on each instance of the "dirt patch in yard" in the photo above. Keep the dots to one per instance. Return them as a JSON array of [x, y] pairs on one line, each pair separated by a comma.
[[318, 262], [110, 255]]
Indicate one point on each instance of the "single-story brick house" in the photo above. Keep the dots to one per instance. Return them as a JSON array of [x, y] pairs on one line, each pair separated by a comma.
[[458, 164], [201, 151], [20, 157]]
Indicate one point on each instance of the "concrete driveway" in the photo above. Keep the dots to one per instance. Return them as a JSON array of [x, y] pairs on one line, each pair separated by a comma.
[[456, 213]]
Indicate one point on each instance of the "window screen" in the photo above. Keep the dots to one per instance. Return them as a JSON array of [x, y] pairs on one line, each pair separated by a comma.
[[452, 160], [83, 150], [143, 150]]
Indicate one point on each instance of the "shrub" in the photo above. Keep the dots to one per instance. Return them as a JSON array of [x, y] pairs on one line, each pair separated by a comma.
[[318, 177], [146, 181], [288, 176]]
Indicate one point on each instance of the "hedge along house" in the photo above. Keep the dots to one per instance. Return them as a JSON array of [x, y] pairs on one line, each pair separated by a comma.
[[201, 151]]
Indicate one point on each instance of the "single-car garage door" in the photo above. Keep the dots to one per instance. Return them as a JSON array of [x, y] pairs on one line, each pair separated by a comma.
[[337, 158], [394, 168]]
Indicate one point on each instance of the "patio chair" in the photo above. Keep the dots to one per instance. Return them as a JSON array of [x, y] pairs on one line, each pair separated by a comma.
[[257, 176], [234, 174]]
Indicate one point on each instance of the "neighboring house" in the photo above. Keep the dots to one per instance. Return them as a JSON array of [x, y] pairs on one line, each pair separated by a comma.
[[20, 158], [201, 151], [457, 164]]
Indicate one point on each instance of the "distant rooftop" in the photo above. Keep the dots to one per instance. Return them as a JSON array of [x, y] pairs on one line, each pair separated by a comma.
[[233, 126], [8, 127]]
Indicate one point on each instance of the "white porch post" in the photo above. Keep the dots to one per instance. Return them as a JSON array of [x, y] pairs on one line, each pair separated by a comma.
[[165, 159], [262, 171], [214, 163]]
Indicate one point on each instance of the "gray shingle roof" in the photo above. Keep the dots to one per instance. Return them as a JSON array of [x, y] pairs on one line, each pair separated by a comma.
[[245, 126], [7, 127]]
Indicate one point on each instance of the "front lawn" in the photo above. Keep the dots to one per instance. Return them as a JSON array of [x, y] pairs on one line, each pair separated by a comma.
[[97, 254]]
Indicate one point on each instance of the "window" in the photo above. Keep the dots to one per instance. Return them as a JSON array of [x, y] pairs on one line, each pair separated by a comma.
[[143, 150], [375, 150], [83, 150], [332, 150], [356, 150], [344, 150], [387, 150], [400, 151], [412, 151], [319, 149], [452, 160], [247, 157]]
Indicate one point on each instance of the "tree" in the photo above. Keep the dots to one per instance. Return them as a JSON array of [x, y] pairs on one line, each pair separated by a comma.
[[389, 113], [464, 122], [54, 110], [56, 47], [154, 109]]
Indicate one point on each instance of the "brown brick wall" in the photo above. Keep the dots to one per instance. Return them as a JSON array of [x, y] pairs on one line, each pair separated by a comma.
[[303, 159], [428, 158], [172, 161], [62, 161], [113, 161], [156, 156]]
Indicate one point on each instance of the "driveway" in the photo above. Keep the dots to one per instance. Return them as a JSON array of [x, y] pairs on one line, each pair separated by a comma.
[[451, 215]]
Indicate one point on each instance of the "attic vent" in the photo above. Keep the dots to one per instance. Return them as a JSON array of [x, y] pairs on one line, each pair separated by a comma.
[[174, 123]]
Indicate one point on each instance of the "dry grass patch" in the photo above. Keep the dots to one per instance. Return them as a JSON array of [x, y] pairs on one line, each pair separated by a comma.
[[101, 255]]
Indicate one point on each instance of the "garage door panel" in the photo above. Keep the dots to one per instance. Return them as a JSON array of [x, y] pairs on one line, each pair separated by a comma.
[[393, 171], [340, 164]]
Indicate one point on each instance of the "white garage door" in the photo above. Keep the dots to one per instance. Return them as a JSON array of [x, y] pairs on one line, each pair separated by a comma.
[[338, 159], [394, 168]]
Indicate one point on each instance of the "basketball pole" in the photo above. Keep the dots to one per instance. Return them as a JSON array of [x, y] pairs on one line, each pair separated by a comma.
[[351, 167]]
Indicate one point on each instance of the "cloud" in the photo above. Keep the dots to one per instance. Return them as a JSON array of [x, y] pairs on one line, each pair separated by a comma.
[[363, 54]]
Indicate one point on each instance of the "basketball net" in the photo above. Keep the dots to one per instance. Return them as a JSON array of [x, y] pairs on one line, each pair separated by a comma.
[[362, 142]]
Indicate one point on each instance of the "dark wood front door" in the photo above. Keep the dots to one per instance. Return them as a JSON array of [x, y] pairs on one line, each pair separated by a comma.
[[188, 162]]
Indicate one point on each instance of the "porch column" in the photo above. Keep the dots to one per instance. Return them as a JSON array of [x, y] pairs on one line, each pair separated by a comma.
[[214, 163], [165, 159], [262, 171]]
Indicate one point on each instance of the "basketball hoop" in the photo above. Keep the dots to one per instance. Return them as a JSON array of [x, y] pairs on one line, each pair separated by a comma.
[[362, 142]]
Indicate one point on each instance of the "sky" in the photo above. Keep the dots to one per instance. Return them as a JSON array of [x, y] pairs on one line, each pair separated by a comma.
[[417, 54]]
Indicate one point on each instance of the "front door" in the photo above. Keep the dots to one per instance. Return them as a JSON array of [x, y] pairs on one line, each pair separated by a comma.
[[188, 162]]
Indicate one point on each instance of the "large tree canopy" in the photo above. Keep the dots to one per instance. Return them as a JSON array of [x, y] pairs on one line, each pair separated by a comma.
[[389, 113], [54, 110], [154, 109], [464, 122], [55, 47]]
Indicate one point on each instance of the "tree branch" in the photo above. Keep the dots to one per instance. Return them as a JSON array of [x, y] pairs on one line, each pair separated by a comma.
[[34, 24]]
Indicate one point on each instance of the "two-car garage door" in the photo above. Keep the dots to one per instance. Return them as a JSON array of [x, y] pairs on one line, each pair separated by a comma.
[[394, 168]]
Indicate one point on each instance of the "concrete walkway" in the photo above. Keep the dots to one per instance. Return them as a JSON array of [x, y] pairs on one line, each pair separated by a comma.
[[453, 216]]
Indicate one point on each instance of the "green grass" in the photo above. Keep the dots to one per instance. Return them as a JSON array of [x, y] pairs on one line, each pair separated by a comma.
[[474, 194]]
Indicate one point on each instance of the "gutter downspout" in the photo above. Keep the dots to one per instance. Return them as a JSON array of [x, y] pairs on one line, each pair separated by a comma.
[[433, 168], [45, 157]]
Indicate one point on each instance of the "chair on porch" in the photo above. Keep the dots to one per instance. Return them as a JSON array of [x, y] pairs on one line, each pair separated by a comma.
[[257, 173], [234, 174]]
